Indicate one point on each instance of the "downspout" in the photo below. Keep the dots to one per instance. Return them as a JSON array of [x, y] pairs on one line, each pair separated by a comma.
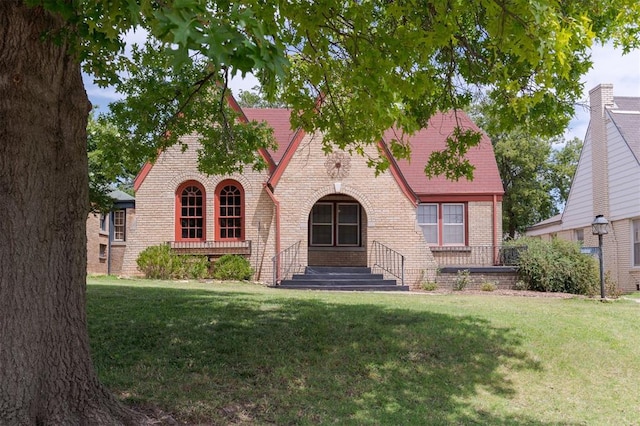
[[109, 239], [495, 229], [276, 203]]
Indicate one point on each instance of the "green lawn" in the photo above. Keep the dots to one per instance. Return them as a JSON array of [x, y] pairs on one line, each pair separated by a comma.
[[224, 353]]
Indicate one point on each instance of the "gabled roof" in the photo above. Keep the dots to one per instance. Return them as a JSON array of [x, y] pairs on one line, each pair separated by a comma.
[[278, 119], [486, 178], [409, 174], [626, 117]]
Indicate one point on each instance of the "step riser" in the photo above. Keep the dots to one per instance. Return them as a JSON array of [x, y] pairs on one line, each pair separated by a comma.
[[340, 278], [337, 270], [347, 288], [297, 283], [336, 277]]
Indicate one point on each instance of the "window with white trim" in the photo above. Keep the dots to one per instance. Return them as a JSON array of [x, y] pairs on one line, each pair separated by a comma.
[[103, 222], [636, 242], [442, 223], [119, 225]]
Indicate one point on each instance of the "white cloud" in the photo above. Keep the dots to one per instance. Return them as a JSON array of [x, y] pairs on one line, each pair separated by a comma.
[[609, 66]]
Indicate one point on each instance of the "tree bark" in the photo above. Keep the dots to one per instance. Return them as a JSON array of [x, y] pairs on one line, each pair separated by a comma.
[[46, 373]]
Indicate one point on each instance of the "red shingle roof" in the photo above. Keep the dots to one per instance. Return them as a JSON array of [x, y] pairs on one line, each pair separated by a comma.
[[278, 118], [486, 178]]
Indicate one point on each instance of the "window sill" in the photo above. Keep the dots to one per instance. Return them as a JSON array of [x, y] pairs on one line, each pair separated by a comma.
[[448, 249]]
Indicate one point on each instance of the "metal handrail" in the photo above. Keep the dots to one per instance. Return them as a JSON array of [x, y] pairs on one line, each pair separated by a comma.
[[388, 260], [286, 263]]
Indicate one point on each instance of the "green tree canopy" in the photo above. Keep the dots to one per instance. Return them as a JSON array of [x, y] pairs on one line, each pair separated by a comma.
[[536, 171], [373, 65]]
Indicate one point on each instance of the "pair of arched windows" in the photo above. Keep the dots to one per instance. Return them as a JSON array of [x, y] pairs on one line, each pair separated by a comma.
[[191, 212]]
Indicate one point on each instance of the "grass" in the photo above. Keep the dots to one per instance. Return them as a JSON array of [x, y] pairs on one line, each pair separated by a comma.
[[231, 353]]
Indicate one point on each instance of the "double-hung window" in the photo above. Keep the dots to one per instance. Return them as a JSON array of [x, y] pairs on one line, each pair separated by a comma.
[[119, 225], [442, 223]]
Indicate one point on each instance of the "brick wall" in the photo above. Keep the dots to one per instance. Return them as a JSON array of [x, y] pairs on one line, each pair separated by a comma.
[[387, 215], [503, 278], [155, 207], [96, 264]]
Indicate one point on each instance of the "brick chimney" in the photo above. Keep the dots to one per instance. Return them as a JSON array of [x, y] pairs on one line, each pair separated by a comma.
[[600, 98]]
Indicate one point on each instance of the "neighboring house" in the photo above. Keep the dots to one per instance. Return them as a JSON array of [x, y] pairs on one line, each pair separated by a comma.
[[320, 210], [107, 235], [607, 182]]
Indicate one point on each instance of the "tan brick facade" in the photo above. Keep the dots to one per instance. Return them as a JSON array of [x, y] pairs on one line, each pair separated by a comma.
[[388, 215], [155, 207]]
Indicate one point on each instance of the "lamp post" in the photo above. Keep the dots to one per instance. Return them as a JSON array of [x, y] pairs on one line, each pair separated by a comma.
[[600, 227]]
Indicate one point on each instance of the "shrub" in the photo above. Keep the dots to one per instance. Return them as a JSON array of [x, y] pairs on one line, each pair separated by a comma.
[[520, 285], [232, 267], [556, 266], [462, 280], [488, 286], [156, 262], [429, 285], [610, 287], [159, 262]]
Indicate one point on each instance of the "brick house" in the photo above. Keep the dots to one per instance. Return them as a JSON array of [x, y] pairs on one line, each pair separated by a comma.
[[606, 183], [107, 235], [320, 210]]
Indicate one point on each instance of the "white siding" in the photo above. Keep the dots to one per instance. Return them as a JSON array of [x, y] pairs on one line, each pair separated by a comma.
[[578, 211], [624, 176]]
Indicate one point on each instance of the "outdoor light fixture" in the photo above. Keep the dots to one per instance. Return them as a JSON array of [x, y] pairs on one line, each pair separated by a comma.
[[600, 227]]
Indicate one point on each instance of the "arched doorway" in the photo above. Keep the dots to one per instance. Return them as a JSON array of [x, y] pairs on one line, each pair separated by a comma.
[[337, 232]]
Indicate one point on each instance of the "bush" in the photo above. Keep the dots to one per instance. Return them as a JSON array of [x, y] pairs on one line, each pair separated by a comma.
[[488, 286], [556, 266], [232, 267], [462, 280], [156, 262], [520, 285], [429, 286], [159, 262]]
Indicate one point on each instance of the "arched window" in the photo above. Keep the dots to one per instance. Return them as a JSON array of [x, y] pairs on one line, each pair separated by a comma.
[[190, 212], [229, 211]]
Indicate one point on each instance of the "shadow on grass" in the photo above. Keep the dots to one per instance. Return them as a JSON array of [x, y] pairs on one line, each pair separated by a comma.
[[219, 358]]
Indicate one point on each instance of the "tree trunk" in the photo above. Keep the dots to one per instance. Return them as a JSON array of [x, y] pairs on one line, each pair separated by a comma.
[[46, 373]]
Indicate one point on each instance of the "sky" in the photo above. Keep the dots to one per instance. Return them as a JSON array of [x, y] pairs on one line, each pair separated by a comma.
[[609, 66]]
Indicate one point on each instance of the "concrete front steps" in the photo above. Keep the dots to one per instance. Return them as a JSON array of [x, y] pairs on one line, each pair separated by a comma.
[[345, 278]]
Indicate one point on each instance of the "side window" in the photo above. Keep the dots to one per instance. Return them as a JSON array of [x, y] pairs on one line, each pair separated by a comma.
[[453, 224], [428, 221], [190, 210], [230, 211], [103, 222], [119, 225], [442, 224]]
